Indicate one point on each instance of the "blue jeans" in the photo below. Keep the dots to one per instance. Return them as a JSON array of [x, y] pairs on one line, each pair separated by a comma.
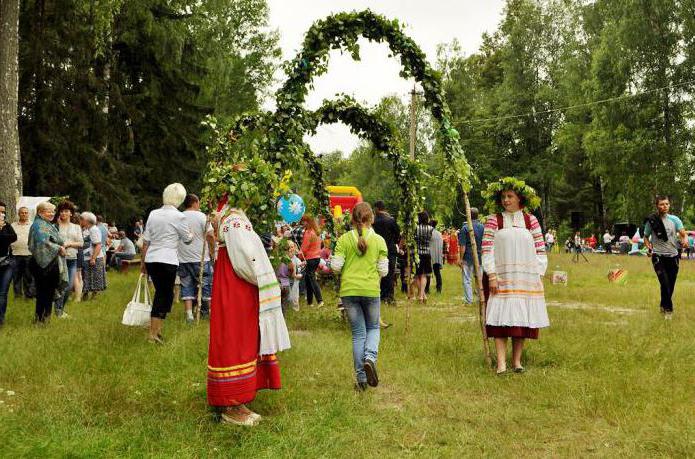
[[363, 313], [6, 273], [60, 302], [468, 282]]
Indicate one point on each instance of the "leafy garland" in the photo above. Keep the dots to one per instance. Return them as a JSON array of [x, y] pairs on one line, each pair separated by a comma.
[[341, 32], [495, 189], [369, 125], [281, 146]]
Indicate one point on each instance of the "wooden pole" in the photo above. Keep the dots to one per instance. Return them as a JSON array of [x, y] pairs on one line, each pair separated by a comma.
[[413, 140], [199, 300], [482, 301]]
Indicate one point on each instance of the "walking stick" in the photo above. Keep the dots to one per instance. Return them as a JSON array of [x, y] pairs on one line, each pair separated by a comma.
[[201, 271], [409, 267], [482, 301]]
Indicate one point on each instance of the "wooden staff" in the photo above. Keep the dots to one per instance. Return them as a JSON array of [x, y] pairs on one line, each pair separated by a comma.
[[201, 271], [482, 305], [408, 266]]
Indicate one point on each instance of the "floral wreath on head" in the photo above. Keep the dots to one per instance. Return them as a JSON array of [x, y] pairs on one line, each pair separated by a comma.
[[493, 202]]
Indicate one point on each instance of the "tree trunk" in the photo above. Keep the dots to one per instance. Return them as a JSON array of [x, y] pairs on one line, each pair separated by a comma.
[[11, 178], [600, 210]]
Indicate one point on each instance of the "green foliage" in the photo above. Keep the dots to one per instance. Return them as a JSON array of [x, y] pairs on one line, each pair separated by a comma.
[[284, 144], [604, 159], [370, 126], [113, 92], [341, 31], [241, 175]]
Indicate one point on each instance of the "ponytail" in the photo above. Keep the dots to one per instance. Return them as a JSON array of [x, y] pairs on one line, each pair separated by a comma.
[[361, 241], [362, 215]]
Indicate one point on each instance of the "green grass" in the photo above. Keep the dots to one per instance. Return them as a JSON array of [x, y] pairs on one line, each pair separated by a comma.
[[609, 378]]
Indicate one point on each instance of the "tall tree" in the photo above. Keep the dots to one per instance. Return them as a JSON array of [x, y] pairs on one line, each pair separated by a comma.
[[11, 179], [114, 91]]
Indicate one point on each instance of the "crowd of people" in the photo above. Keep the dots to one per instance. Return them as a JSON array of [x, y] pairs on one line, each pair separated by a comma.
[[56, 255], [246, 282]]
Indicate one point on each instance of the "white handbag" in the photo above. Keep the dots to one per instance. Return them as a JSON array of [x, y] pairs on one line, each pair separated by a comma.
[[137, 313]]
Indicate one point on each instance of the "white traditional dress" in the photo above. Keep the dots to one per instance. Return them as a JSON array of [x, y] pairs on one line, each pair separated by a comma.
[[514, 253]]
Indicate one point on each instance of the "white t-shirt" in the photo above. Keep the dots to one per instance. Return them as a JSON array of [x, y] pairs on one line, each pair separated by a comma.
[[71, 233], [94, 234], [128, 247], [607, 238], [199, 226], [20, 247]]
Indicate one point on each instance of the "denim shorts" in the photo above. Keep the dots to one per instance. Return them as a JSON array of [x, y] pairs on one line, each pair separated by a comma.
[[189, 274]]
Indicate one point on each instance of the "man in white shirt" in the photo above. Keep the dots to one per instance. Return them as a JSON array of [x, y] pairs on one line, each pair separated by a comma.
[[124, 251], [607, 242], [23, 281], [190, 256]]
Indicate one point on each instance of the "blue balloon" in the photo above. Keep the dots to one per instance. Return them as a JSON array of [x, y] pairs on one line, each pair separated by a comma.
[[291, 208]]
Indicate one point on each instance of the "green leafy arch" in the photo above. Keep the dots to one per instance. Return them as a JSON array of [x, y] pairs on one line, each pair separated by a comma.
[[367, 125], [281, 143], [341, 32]]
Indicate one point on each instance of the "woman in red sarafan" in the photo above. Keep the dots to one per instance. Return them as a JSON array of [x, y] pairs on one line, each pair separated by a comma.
[[247, 327], [452, 255]]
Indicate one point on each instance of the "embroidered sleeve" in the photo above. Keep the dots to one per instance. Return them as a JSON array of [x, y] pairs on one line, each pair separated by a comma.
[[539, 244], [488, 251], [243, 246]]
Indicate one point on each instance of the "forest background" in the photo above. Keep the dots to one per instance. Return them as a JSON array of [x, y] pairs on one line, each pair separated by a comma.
[[589, 102]]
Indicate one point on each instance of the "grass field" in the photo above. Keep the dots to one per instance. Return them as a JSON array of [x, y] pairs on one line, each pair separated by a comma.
[[609, 378]]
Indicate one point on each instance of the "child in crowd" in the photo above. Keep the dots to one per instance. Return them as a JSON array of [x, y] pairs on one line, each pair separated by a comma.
[[295, 275], [283, 272]]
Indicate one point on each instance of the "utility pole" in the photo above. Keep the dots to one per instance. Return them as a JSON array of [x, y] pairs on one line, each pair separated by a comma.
[[413, 121]]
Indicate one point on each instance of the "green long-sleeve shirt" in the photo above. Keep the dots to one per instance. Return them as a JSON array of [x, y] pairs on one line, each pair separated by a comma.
[[359, 274]]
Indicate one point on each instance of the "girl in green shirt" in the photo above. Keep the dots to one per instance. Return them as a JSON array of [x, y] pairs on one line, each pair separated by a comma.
[[361, 258]]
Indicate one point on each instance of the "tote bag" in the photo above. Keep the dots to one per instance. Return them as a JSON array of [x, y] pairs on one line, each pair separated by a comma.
[[137, 313]]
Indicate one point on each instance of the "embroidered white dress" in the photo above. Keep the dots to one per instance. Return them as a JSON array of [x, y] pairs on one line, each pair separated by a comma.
[[516, 256]]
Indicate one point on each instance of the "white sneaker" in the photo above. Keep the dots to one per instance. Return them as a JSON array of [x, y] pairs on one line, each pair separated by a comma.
[[64, 316]]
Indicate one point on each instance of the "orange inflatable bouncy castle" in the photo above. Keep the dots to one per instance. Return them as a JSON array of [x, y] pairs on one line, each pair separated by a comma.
[[343, 198]]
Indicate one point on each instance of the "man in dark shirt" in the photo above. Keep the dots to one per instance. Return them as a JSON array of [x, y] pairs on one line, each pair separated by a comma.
[[385, 226]]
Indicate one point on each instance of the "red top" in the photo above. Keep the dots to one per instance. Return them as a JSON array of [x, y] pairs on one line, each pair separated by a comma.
[[592, 241], [311, 245]]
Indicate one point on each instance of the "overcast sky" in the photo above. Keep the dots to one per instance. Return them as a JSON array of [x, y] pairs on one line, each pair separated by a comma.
[[376, 75]]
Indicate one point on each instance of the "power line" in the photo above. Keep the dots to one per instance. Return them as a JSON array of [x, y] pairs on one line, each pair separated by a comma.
[[587, 104]]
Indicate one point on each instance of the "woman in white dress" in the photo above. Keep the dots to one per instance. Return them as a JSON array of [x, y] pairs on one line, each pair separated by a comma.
[[514, 261]]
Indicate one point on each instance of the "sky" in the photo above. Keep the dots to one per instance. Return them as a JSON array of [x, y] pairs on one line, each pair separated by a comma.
[[429, 23]]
